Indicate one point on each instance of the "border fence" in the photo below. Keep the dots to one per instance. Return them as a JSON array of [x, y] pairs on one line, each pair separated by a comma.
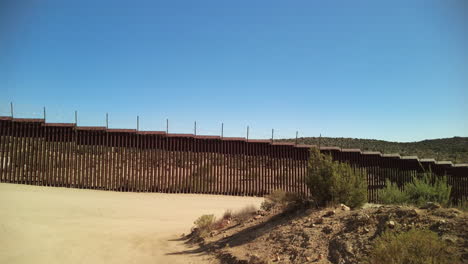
[[62, 154]]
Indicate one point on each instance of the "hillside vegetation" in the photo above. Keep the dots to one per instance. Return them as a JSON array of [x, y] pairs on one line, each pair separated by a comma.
[[453, 149]]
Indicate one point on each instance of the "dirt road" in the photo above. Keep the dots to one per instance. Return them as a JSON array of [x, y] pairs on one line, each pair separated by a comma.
[[60, 225]]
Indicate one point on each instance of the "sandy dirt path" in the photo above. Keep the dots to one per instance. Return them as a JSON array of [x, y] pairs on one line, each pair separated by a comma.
[[60, 225]]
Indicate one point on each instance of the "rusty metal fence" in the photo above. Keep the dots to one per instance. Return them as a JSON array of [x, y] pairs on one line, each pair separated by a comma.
[[65, 155]]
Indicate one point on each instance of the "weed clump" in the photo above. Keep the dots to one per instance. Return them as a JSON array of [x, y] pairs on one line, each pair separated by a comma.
[[414, 246], [204, 224], [280, 199], [335, 182]]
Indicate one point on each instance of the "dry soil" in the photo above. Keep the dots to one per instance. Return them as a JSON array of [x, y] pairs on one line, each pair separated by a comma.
[[61, 225]]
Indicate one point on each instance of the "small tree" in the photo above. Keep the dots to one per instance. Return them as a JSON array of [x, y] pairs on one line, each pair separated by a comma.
[[335, 182]]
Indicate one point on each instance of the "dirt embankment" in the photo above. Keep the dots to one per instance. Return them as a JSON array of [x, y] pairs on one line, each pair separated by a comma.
[[332, 235]]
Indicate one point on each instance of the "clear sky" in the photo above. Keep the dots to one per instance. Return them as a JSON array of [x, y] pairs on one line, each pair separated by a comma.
[[393, 70]]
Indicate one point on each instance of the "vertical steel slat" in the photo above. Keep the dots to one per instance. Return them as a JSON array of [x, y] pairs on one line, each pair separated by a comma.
[[148, 174], [127, 172], [41, 153], [68, 157], [19, 149], [52, 155], [222, 172], [90, 145], [235, 162], [118, 162], [86, 159], [7, 149], [128, 161], [178, 153], [191, 152], [33, 155], [83, 159], [98, 158], [95, 147], [138, 158], [162, 163], [196, 159], [65, 158], [75, 157], [214, 152], [21, 152], [186, 164], [220, 165], [111, 156], [133, 177], [61, 175], [3, 152], [27, 155], [158, 157], [155, 163], [13, 151], [294, 170], [48, 156], [134, 161], [241, 167], [212, 165], [58, 157], [248, 167], [169, 164], [229, 185]]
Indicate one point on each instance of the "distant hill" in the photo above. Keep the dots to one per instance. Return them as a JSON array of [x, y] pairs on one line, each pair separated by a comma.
[[452, 149]]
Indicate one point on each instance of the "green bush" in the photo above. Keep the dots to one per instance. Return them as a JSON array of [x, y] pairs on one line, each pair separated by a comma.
[[411, 247], [426, 187], [391, 194], [204, 224], [335, 182]]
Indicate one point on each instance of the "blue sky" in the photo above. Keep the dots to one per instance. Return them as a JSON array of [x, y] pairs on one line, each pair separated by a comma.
[[368, 69]]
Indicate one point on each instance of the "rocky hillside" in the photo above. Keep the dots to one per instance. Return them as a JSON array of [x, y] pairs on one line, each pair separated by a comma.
[[332, 235]]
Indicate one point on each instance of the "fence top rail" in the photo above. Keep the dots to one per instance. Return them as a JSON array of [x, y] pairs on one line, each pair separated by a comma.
[[427, 160], [351, 150], [92, 128], [443, 162], [242, 139], [148, 132], [410, 158], [59, 124], [121, 130], [29, 120], [376, 153], [392, 155]]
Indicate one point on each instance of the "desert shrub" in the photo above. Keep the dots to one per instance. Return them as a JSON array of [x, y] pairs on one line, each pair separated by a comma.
[[391, 194], [227, 214], [414, 247], [204, 224], [426, 187], [335, 182], [281, 199], [245, 213]]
